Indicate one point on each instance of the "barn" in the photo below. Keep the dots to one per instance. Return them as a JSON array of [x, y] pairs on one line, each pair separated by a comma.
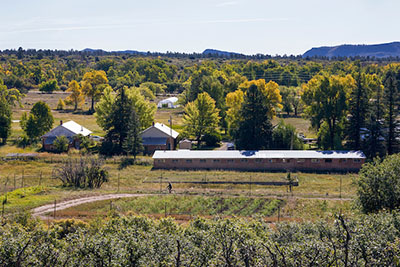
[[260, 160], [69, 129]]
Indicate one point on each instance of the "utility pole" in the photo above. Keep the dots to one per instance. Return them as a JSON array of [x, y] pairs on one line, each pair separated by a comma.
[[171, 138]]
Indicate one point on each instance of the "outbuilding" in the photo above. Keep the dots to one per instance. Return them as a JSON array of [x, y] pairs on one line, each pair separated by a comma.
[[260, 160], [158, 137], [170, 102], [69, 129]]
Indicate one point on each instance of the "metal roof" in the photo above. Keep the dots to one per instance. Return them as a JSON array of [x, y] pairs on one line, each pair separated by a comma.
[[69, 128], [235, 154], [163, 128]]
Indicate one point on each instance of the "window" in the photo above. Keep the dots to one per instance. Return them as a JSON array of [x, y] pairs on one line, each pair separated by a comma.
[[301, 160], [356, 160], [243, 160], [328, 160], [343, 160], [161, 160], [270, 160], [285, 160], [314, 160], [203, 160], [231, 161], [258, 160], [175, 160], [188, 161], [216, 160]]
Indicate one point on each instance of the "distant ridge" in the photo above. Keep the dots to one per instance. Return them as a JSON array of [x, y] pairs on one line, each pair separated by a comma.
[[219, 53], [376, 50], [131, 52]]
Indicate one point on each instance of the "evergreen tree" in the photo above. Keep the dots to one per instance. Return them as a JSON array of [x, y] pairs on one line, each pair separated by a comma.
[[118, 124], [374, 142], [358, 106], [133, 142], [5, 120], [255, 129], [391, 101]]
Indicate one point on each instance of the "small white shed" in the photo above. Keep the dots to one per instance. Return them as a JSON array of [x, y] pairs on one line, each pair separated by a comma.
[[168, 103]]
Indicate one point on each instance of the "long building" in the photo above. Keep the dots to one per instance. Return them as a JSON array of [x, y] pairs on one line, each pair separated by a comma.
[[260, 160]]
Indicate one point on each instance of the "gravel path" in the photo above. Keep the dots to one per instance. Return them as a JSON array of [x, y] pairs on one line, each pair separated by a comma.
[[42, 210]]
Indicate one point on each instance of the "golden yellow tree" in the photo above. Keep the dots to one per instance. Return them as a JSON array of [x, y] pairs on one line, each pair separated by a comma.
[[234, 102], [93, 84], [270, 90], [76, 98]]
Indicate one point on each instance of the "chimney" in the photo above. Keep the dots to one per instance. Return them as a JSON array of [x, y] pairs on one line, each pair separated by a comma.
[[153, 123], [60, 122]]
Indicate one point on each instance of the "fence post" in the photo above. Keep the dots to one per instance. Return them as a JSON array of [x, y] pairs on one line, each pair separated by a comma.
[[40, 178], [15, 182], [55, 204]]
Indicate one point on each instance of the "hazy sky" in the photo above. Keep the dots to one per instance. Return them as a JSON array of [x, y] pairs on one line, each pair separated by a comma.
[[245, 26]]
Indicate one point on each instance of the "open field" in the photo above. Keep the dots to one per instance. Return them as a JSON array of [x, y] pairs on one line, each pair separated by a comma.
[[317, 196]]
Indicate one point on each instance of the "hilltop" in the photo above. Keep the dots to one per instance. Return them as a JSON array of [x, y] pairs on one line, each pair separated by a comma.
[[376, 50]]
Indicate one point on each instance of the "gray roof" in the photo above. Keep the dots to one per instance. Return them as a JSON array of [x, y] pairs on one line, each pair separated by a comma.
[[238, 154]]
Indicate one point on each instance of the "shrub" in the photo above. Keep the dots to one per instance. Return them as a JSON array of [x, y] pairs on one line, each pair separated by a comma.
[[60, 104], [212, 139], [379, 184], [49, 86], [61, 144], [82, 173]]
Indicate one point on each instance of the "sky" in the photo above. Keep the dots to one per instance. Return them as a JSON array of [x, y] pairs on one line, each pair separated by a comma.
[[246, 26]]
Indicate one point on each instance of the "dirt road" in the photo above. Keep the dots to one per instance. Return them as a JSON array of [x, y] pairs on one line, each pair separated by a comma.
[[41, 211]]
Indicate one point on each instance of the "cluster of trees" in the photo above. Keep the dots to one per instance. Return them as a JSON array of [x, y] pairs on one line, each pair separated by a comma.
[[371, 240], [359, 108]]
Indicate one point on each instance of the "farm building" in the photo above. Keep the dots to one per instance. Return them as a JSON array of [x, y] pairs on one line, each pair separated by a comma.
[[158, 137], [69, 129], [168, 103], [262, 160]]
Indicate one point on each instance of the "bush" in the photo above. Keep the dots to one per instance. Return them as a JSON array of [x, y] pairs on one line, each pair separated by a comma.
[[212, 140], [82, 173], [60, 104], [49, 86], [379, 184], [61, 144]]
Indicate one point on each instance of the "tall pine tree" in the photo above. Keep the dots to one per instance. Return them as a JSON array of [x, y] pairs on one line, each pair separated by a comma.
[[358, 106], [255, 129], [119, 125], [133, 141], [391, 101]]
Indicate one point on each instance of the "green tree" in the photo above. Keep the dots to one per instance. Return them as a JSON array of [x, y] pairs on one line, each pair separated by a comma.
[[254, 129], [144, 109], [201, 117], [326, 99], [5, 120], [379, 184], [133, 141], [60, 104], [61, 144], [49, 86], [93, 84], [39, 121], [358, 107], [375, 136], [284, 136], [391, 102], [12, 96], [120, 126]]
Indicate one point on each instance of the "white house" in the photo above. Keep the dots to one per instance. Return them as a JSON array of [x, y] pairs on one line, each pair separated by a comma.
[[158, 137]]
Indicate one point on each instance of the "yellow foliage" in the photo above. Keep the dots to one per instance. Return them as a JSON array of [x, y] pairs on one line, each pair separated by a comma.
[[270, 90], [234, 102], [76, 98]]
